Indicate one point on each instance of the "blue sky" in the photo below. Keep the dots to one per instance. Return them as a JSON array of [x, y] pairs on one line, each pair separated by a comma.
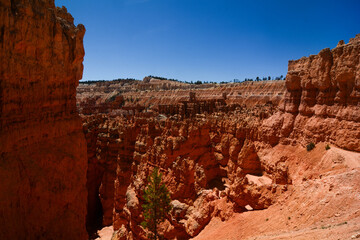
[[207, 40]]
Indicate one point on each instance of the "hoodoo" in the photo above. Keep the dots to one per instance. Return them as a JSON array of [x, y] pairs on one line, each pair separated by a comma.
[[271, 159], [227, 149], [43, 160]]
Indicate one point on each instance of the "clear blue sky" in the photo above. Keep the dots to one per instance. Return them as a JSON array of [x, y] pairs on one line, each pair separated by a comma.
[[207, 40]]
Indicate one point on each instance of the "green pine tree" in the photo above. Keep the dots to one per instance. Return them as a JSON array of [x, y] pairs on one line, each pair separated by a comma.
[[157, 203]]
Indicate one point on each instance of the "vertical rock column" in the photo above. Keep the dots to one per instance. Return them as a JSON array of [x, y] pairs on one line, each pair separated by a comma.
[[42, 147]]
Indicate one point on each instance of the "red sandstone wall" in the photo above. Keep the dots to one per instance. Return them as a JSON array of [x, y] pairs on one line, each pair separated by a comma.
[[42, 147], [194, 154], [323, 99], [104, 97], [223, 150]]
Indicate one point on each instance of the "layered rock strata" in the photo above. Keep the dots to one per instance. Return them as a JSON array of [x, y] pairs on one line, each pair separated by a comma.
[[322, 102], [215, 162], [126, 98], [42, 147], [205, 161]]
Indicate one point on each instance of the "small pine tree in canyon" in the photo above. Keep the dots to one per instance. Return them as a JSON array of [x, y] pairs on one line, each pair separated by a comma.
[[157, 203]]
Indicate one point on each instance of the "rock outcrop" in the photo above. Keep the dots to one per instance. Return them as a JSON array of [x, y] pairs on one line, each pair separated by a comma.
[[322, 102], [128, 97], [222, 149], [210, 165], [42, 147]]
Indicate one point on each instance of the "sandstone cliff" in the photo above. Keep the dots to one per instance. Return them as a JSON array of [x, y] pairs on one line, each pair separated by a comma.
[[112, 96], [229, 149], [322, 102], [206, 161], [218, 168], [42, 147]]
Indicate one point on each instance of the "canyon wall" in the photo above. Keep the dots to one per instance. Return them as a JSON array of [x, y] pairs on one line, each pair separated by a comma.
[[322, 102], [109, 97], [209, 162], [222, 149], [42, 147], [210, 166]]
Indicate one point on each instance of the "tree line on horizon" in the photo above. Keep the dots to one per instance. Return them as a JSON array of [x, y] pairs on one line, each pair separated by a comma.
[[198, 82]]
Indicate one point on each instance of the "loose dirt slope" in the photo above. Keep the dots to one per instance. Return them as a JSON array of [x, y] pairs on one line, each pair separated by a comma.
[[323, 203]]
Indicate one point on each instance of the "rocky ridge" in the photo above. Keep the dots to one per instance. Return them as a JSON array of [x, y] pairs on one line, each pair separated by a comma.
[[113, 96], [322, 102], [222, 162]]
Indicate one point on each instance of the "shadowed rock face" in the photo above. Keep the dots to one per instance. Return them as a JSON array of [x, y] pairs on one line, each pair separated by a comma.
[[42, 147]]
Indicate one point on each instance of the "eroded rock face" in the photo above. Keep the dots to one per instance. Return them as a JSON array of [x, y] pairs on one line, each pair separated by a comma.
[[322, 102], [217, 161], [206, 162], [42, 147], [126, 97]]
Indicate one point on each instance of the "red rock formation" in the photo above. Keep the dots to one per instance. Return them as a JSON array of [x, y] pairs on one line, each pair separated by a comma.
[[192, 107], [197, 156], [100, 97], [103, 152], [234, 159], [42, 147], [322, 203], [323, 99]]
